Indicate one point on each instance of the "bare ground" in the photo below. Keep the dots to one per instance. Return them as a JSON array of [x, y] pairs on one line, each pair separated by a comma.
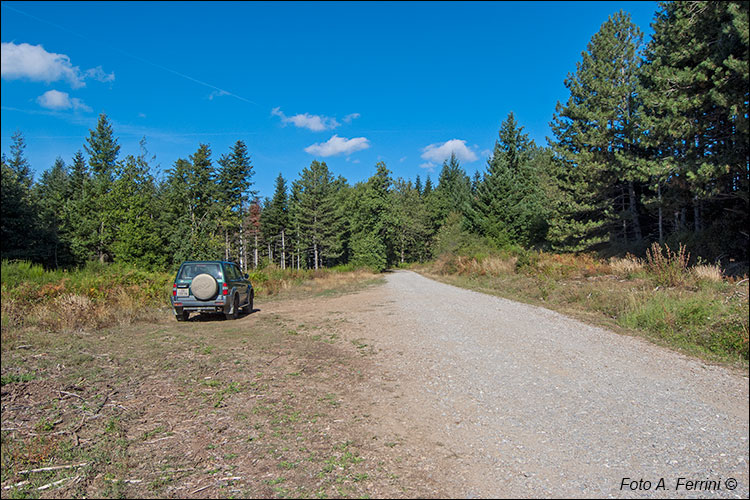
[[405, 389]]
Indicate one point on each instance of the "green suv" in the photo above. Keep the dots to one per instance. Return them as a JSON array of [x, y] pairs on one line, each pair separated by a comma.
[[211, 286]]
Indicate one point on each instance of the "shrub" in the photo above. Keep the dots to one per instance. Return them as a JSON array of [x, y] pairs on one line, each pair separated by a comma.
[[667, 268]]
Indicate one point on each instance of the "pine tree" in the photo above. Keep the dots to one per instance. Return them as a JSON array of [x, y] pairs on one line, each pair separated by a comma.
[[138, 240], [80, 218], [175, 218], [19, 232], [371, 221], [427, 186], [52, 192], [596, 136], [411, 222], [508, 207], [234, 184], [18, 162], [102, 147], [453, 190], [275, 220], [452, 194], [317, 214], [203, 209]]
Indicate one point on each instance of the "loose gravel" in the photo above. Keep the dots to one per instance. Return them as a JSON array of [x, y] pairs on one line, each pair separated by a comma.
[[507, 399]]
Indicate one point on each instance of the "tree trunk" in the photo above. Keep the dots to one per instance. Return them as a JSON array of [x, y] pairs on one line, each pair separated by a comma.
[[315, 249], [243, 252], [661, 217], [697, 214], [634, 212], [101, 243], [255, 252], [283, 251], [226, 244], [624, 220]]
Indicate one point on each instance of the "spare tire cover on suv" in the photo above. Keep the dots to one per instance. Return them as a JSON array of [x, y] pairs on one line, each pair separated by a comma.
[[204, 286]]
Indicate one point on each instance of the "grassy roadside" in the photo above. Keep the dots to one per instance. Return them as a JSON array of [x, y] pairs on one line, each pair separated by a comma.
[[694, 310], [100, 296]]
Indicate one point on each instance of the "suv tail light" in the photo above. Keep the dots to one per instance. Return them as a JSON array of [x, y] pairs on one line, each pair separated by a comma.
[[224, 289], [174, 290]]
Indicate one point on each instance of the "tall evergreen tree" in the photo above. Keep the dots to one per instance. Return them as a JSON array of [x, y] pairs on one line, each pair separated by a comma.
[[596, 139], [275, 220], [371, 221], [176, 217], [52, 192], [138, 240], [411, 222], [80, 218], [453, 189], [452, 194], [102, 147], [234, 185], [19, 224], [319, 221], [508, 206], [18, 162], [203, 208]]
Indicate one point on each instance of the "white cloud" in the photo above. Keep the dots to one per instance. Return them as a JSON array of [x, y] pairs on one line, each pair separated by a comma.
[[353, 116], [402, 159], [36, 64], [54, 99], [98, 74], [217, 93], [438, 152], [338, 145], [316, 123], [428, 165]]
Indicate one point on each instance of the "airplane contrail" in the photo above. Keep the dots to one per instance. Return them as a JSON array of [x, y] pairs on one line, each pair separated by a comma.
[[133, 56]]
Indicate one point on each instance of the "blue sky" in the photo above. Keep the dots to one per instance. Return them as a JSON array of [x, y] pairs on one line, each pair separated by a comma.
[[350, 84]]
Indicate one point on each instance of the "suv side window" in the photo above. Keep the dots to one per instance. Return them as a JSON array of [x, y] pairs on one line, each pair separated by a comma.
[[231, 272], [240, 275]]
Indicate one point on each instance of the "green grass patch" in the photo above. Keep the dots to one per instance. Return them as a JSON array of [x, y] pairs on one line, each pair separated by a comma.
[[697, 322]]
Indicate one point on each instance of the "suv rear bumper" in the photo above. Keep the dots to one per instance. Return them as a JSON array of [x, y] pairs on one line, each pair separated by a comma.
[[215, 306]]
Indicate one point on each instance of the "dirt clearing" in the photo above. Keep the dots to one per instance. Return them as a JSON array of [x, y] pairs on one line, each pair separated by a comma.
[[274, 404]]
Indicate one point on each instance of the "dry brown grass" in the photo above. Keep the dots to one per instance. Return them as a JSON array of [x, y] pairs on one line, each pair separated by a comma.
[[471, 266], [708, 272], [567, 265], [496, 266], [627, 266]]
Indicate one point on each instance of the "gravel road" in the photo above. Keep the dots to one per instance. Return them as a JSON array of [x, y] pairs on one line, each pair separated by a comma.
[[507, 399]]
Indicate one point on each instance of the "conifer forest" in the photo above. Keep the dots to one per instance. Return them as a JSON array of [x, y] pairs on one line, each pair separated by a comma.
[[650, 146]]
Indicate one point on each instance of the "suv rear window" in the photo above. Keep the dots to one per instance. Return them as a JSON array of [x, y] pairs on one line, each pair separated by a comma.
[[191, 270]]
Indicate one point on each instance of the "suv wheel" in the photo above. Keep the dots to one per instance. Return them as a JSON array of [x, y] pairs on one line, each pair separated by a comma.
[[248, 309], [234, 312], [182, 316]]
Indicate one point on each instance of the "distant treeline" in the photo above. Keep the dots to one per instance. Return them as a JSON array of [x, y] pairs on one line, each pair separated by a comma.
[[652, 145]]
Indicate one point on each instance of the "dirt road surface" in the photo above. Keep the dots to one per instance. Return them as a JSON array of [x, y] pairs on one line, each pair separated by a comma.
[[492, 398]]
